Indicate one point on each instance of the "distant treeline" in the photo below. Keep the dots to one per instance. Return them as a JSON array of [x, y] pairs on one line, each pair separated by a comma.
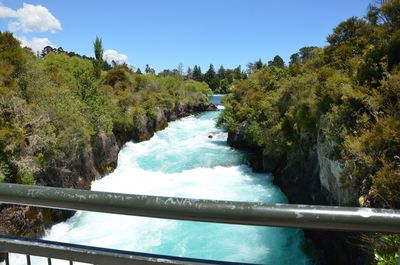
[[220, 81]]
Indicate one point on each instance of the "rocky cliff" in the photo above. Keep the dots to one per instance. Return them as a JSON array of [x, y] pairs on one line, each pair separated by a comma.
[[309, 176]]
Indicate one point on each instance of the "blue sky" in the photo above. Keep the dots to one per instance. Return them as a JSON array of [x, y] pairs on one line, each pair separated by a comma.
[[164, 33]]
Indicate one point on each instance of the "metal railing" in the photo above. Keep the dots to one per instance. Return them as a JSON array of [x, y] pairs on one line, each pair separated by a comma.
[[245, 213]]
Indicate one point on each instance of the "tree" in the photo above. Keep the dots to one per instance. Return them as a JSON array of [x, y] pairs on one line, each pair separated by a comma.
[[46, 50], [277, 62], [221, 73], [348, 32], [197, 75], [252, 67], [149, 71], [306, 52], [229, 76], [211, 78], [238, 74], [294, 59], [258, 64], [180, 69], [98, 53], [106, 66], [189, 74], [138, 71], [389, 13]]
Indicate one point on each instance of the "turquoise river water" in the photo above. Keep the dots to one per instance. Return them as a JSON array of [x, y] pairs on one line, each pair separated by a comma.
[[182, 161]]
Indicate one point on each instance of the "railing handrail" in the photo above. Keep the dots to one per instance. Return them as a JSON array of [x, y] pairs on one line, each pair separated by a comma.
[[94, 255], [245, 213]]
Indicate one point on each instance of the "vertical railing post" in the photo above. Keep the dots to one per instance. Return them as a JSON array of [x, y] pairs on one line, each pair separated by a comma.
[[7, 259], [398, 258], [28, 259]]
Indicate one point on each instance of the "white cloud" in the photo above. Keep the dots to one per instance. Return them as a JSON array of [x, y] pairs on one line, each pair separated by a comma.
[[36, 44], [6, 12], [113, 55], [31, 18]]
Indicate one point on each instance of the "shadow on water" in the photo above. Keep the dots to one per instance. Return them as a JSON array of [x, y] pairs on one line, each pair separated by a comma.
[[219, 143]]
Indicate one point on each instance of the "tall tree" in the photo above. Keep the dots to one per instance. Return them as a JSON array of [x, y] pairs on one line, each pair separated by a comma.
[[189, 74], [197, 75], [258, 64], [238, 74], [98, 53], [252, 67], [211, 78], [106, 66], [277, 62], [180, 69], [306, 52], [294, 59], [221, 73], [46, 50], [149, 71], [347, 31]]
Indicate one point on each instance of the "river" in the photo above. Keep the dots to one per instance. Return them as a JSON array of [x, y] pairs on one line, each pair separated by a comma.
[[183, 161]]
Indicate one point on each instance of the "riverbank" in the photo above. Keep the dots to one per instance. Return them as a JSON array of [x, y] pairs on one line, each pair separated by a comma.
[[89, 165]]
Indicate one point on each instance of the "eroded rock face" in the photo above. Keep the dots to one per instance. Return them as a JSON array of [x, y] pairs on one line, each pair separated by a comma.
[[21, 220], [309, 176], [60, 177], [105, 151], [27, 221], [267, 163], [330, 173], [87, 166], [238, 139]]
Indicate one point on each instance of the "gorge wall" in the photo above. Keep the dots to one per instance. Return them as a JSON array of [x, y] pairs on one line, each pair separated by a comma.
[[309, 176], [100, 159]]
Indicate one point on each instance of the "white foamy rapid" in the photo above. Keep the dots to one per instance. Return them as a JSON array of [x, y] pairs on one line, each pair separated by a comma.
[[183, 161]]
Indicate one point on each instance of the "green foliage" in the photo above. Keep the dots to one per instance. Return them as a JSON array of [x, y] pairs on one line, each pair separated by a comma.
[[26, 178], [386, 248], [62, 69], [389, 13], [4, 171], [117, 77], [197, 75], [95, 106], [11, 53], [98, 63], [277, 62], [220, 81], [52, 106], [371, 69], [211, 78]]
